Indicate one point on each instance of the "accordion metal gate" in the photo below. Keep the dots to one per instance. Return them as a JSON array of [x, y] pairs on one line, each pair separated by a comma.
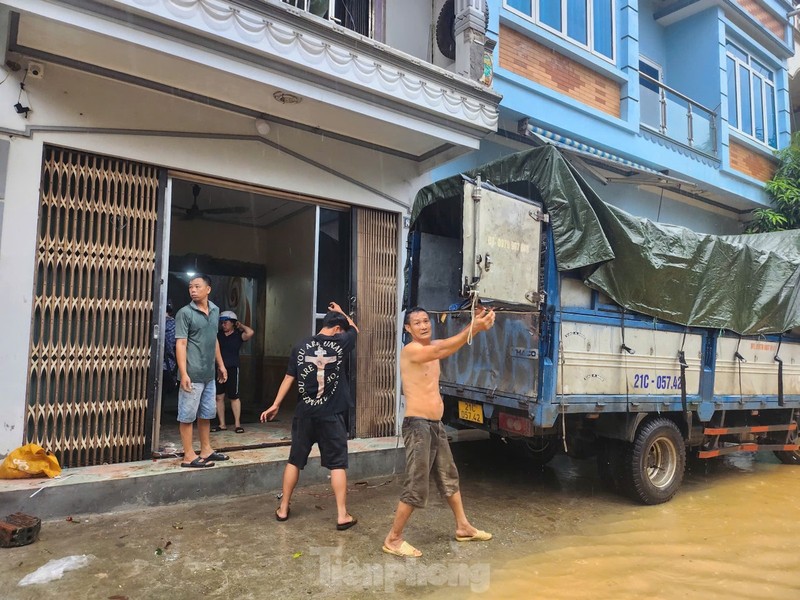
[[376, 350], [93, 297]]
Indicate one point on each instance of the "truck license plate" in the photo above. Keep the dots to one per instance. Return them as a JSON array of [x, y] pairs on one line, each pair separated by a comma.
[[469, 411]]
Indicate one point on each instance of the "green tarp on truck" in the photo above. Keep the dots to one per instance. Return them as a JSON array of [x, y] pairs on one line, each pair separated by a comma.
[[748, 284]]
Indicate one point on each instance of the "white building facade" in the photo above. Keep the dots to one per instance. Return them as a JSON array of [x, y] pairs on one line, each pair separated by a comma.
[[272, 147]]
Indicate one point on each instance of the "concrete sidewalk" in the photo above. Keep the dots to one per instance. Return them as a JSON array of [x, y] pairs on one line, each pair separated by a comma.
[[233, 548], [127, 486], [107, 488]]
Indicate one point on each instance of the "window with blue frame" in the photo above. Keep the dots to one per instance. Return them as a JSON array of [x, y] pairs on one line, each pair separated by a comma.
[[751, 97], [588, 23]]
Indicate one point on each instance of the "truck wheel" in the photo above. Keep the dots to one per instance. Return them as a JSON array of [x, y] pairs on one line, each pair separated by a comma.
[[788, 457], [655, 462], [538, 450]]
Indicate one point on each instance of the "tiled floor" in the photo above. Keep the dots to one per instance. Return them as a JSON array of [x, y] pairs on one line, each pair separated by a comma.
[[260, 435], [256, 435]]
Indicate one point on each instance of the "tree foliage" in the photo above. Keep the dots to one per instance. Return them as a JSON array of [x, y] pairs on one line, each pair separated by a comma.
[[784, 193]]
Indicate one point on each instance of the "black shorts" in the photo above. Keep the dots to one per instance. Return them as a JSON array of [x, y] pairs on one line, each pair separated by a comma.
[[231, 386], [329, 433]]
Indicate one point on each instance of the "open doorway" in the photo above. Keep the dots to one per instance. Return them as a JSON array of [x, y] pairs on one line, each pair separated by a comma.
[[276, 262]]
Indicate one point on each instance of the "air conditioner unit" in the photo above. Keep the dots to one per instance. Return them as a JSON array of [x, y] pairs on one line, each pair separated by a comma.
[[444, 42]]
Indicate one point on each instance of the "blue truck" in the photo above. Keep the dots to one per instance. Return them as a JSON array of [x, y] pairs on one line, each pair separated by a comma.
[[616, 337]]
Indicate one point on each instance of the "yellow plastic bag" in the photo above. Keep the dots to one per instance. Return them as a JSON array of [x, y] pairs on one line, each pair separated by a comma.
[[30, 460]]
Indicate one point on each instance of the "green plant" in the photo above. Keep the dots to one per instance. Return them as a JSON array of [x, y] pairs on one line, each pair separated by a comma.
[[784, 192]]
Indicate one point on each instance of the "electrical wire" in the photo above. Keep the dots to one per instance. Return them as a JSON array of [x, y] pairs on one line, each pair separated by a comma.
[[22, 88]]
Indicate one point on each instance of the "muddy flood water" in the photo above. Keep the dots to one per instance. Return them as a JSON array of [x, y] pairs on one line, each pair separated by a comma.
[[729, 533]]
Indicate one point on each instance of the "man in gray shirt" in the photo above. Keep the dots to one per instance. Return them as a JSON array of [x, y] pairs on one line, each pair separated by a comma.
[[196, 351]]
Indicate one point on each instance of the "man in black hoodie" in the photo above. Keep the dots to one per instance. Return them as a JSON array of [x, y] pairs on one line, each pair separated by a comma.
[[316, 363]]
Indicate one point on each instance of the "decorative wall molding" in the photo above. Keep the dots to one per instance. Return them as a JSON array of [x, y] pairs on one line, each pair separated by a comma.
[[312, 52], [681, 149]]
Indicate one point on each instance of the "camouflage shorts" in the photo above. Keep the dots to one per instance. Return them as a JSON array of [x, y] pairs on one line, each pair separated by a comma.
[[428, 457]]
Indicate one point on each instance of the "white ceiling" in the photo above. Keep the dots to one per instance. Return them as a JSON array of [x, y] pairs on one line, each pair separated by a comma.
[[261, 210], [82, 47]]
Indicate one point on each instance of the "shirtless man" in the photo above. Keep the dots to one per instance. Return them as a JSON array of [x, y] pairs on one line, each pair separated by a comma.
[[427, 450]]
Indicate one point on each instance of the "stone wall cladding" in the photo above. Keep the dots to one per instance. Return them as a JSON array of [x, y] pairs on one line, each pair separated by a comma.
[[536, 62], [751, 163]]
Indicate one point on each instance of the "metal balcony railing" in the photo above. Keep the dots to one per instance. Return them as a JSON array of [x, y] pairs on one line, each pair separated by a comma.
[[355, 15], [677, 116]]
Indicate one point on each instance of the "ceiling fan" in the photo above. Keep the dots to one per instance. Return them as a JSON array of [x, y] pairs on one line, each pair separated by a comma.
[[195, 212]]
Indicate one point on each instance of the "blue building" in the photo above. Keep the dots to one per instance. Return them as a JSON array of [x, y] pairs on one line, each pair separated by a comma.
[[673, 109]]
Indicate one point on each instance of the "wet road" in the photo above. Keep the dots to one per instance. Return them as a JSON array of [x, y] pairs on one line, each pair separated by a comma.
[[729, 533]]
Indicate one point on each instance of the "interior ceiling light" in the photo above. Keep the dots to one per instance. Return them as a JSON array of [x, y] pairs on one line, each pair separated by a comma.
[[286, 98], [262, 127]]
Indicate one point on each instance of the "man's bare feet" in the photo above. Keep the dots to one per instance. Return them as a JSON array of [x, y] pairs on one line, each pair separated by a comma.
[[478, 536], [346, 524], [466, 531], [400, 547]]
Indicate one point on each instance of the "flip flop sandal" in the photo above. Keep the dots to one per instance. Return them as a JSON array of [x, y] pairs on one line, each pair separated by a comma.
[[280, 518], [348, 525], [480, 536], [405, 550], [217, 428], [239, 430], [198, 463], [218, 456]]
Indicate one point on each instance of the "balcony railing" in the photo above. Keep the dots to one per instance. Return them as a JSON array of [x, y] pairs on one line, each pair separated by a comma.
[[355, 15], [676, 116]]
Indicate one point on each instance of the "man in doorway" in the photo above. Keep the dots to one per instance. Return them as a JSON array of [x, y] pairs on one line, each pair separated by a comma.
[[232, 334], [316, 364], [196, 351], [169, 380], [427, 450]]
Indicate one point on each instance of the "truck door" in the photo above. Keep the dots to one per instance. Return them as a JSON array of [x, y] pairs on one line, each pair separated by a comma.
[[501, 247]]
